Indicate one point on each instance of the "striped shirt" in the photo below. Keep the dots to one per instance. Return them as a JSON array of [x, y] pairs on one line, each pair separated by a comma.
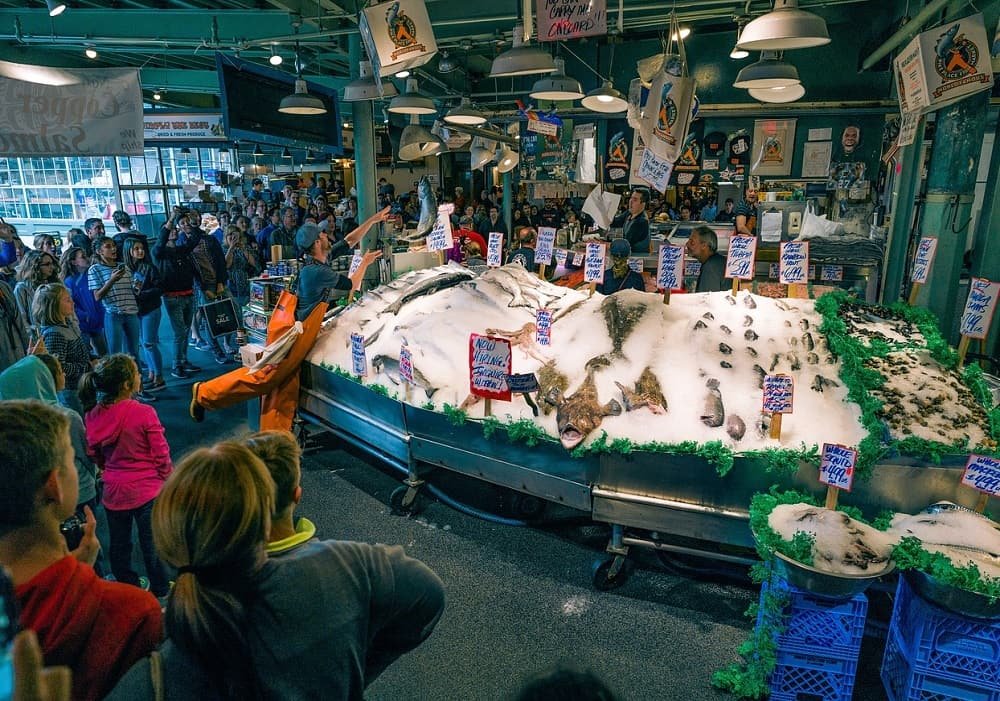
[[120, 299]]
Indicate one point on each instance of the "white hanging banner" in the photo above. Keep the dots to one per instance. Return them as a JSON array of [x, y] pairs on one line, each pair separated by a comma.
[[397, 35], [70, 112], [668, 111]]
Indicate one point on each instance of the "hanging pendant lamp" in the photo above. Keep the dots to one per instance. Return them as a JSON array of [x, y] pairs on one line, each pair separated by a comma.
[[605, 99], [412, 102], [522, 58], [418, 142], [557, 85], [465, 113], [786, 27], [769, 72], [778, 95], [366, 87]]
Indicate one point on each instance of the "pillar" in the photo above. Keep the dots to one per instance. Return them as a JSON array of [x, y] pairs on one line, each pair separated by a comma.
[[951, 183], [986, 254], [364, 147], [907, 183], [508, 206]]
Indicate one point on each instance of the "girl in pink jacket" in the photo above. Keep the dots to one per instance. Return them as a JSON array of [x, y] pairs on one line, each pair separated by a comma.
[[127, 441]]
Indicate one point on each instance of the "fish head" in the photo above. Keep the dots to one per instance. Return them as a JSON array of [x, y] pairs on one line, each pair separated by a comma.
[[424, 187], [577, 418]]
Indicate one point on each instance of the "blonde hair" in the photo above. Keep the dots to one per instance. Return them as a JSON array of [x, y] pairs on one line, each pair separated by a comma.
[[45, 304], [211, 521], [281, 455]]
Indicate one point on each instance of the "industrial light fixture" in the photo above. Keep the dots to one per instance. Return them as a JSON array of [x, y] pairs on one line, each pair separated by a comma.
[[366, 87], [778, 95], [785, 27], [418, 142], [507, 159], [56, 7], [521, 58], [385, 116], [310, 155], [465, 113], [684, 33], [157, 94], [557, 85], [481, 152], [412, 102], [285, 153], [275, 58], [605, 99], [402, 74], [447, 64], [90, 51], [453, 139], [301, 102], [257, 151], [769, 72], [738, 54]]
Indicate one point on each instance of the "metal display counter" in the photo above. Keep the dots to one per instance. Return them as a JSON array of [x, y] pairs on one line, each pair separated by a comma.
[[679, 503]]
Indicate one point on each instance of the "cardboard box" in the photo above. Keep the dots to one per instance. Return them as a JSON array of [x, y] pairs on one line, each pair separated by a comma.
[[398, 35]]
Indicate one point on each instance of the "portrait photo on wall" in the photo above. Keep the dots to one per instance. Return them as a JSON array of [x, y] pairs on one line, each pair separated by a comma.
[[773, 144]]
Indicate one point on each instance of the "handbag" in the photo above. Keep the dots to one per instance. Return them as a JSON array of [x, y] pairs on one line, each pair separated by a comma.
[[670, 106]]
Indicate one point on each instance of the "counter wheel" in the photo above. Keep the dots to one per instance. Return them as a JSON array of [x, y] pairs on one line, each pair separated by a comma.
[[405, 501], [612, 573]]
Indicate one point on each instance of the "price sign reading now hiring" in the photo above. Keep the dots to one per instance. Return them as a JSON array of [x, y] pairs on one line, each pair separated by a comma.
[[489, 366], [837, 466]]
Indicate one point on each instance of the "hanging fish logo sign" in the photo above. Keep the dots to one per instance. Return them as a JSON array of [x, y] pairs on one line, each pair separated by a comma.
[[667, 116], [955, 60], [402, 31]]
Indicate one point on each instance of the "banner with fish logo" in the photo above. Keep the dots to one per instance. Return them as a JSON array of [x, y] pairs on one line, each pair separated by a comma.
[[688, 164], [618, 152], [397, 35], [668, 112]]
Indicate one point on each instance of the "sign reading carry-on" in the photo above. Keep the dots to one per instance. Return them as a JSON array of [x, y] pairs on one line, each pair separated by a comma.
[[944, 65], [69, 111], [398, 35], [222, 317]]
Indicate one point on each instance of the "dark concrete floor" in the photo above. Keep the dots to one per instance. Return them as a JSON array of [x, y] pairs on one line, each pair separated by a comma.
[[520, 599]]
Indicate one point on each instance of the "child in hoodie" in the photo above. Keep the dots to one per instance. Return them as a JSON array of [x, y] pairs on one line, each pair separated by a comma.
[[97, 628], [127, 441]]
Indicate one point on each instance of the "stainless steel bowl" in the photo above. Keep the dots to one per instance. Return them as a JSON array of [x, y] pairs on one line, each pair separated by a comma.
[[826, 584], [960, 601]]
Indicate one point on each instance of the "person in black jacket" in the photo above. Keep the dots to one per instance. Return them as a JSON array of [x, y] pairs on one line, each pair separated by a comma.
[[148, 293], [176, 268], [211, 275]]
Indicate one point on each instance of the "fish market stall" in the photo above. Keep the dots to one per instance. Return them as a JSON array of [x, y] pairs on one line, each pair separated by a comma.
[[646, 415]]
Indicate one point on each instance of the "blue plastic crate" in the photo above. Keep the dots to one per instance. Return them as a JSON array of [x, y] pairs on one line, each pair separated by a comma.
[[814, 677], [903, 682], [940, 643], [834, 627]]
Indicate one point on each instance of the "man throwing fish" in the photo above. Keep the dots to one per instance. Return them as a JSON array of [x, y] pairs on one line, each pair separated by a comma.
[[278, 384]]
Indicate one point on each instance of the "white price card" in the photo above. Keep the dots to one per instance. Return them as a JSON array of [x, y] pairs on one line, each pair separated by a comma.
[[979, 308], [440, 239], [359, 363], [406, 365], [741, 257], [593, 268], [779, 393], [836, 468], [494, 250], [543, 327], [793, 262], [355, 262], [543, 247], [670, 267], [982, 473], [655, 171], [923, 259]]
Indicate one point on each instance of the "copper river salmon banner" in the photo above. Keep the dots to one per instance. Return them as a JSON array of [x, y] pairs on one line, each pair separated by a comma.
[[70, 112]]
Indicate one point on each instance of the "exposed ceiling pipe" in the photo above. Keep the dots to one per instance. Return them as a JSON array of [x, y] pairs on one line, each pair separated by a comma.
[[906, 31], [485, 133]]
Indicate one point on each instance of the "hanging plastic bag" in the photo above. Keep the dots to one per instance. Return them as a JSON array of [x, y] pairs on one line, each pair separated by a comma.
[[669, 108], [817, 226]]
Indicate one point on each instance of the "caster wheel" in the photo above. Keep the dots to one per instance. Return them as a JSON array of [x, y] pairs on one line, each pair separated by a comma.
[[403, 506], [612, 573], [528, 507]]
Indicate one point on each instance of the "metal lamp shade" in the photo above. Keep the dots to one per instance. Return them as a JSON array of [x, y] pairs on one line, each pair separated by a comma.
[[521, 59], [778, 95], [301, 102], [418, 142], [366, 87], [481, 152], [507, 159], [557, 85], [412, 102], [465, 113], [605, 99], [785, 27], [769, 72]]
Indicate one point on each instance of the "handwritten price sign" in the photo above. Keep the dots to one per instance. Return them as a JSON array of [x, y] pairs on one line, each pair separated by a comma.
[[494, 250], [578, 259], [923, 259], [489, 366], [560, 256], [359, 364], [355, 263], [837, 466], [543, 249], [635, 264], [655, 170], [670, 267], [440, 237], [831, 273], [593, 265], [982, 473], [559, 20], [406, 365], [979, 308], [779, 391], [543, 327], [793, 263], [740, 260]]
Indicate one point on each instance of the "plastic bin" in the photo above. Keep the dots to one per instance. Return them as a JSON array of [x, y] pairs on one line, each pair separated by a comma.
[[815, 677], [904, 681], [834, 627]]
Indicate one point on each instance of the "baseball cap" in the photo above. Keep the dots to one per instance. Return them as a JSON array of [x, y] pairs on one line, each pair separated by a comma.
[[306, 236], [620, 248]]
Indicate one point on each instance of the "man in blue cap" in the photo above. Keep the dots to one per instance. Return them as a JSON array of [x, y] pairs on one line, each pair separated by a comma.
[[619, 276]]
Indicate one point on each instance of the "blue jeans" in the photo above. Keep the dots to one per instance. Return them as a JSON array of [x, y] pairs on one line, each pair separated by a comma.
[[122, 331], [180, 312], [120, 550], [98, 342], [150, 327]]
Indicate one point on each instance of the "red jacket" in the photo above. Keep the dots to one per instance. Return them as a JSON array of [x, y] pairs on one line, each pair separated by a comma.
[[97, 628]]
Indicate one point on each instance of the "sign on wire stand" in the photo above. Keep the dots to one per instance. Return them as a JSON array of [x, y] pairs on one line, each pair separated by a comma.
[[837, 466], [560, 256], [494, 250], [741, 257], [489, 366], [979, 308], [355, 262], [593, 270], [578, 259], [543, 327], [440, 238], [670, 267], [779, 392], [359, 363], [543, 247], [982, 473], [406, 365], [923, 259], [831, 273], [793, 263]]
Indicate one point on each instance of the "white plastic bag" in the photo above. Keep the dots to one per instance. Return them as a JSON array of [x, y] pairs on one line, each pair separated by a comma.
[[816, 226]]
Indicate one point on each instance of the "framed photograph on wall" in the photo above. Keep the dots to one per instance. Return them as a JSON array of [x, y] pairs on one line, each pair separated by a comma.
[[773, 144], [816, 159]]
